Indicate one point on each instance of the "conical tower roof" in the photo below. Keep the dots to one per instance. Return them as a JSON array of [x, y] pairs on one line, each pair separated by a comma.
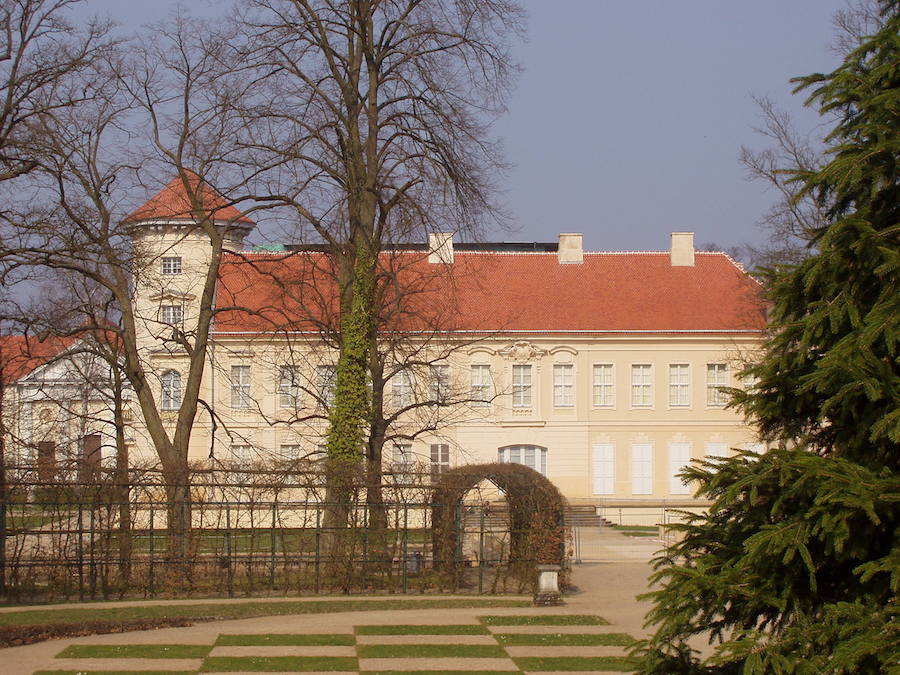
[[173, 203]]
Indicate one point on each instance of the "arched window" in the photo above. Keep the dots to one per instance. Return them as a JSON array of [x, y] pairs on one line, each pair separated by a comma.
[[532, 456], [171, 390]]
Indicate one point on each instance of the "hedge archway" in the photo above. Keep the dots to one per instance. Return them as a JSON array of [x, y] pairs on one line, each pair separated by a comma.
[[536, 512]]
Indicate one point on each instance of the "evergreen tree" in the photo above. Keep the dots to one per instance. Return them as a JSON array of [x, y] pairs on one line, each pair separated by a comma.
[[796, 566]]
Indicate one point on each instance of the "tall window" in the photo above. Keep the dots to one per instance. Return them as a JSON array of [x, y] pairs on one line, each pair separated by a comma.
[[171, 265], [403, 462], [326, 384], [439, 376], [715, 380], [401, 389], [604, 391], [240, 454], [679, 385], [170, 314], [171, 390], [641, 385], [440, 459], [288, 387], [240, 386], [481, 391], [291, 452], [532, 456], [563, 385], [521, 386]]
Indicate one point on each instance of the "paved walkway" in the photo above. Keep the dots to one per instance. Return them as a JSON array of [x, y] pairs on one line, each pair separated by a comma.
[[604, 589]]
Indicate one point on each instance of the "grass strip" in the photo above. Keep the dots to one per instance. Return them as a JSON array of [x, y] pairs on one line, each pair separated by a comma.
[[430, 651], [465, 629], [242, 610], [544, 620], [284, 664], [565, 639], [284, 639], [438, 672], [134, 652], [585, 663], [115, 672]]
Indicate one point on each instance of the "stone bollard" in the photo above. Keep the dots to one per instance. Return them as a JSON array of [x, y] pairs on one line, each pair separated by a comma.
[[548, 593]]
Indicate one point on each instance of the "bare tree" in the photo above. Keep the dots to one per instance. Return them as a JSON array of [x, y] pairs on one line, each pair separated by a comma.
[[376, 114], [165, 106], [795, 217], [42, 59]]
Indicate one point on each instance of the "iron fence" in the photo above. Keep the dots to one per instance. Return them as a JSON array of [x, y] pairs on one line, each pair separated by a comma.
[[252, 532]]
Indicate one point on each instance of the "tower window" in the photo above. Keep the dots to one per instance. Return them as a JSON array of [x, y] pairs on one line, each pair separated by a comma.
[[170, 315], [171, 265]]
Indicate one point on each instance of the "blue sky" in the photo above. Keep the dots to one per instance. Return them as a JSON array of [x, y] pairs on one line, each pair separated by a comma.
[[630, 114]]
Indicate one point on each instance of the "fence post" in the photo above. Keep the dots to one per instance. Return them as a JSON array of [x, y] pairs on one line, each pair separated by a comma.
[[272, 542], [92, 563], [151, 551], [80, 552], [405, 547], [318, 547], [481, 552], [229, 578]]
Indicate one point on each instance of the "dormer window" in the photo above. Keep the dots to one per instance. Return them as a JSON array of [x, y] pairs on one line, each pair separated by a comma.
[[171, 265]]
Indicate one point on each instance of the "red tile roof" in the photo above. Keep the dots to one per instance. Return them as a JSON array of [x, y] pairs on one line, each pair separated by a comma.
[[173, 203], [20, 354], [503, 292]]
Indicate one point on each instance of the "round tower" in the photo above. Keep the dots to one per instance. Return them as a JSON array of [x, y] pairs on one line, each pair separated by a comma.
[[172, 251]]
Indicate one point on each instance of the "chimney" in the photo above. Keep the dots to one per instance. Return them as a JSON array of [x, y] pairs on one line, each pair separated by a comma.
[[440, 247], [682, 253], [570, 251]]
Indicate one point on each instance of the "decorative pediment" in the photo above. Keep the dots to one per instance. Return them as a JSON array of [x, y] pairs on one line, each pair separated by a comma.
[[172, 295], [522, 351]]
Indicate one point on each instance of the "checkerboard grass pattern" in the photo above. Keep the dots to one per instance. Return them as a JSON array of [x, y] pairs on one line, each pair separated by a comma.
[[414, 653]]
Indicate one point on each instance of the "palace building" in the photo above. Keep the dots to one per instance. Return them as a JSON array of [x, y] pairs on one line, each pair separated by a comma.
[[604, 371]]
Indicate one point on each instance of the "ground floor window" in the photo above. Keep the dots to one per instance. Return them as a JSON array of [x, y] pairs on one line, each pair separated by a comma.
[[532, 456]]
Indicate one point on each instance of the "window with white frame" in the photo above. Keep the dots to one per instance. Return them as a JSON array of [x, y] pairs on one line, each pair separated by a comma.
[[403, 461], [326, 384], [440, 459], [532, 456], [288, 387], [170, 315], [171, 390], [171, 265], [402, 389], [679, 385], [679, 458], [521, 386], [641, 385], [604, 388], [241, 454], [481, 390], [439, 382], [641, 469], [563, 385], [290, 452], [716, 378], [240, 386]]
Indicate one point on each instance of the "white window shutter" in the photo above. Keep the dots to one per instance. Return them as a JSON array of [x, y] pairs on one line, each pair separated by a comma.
[[642, 469], [679, 457], [604, 468]]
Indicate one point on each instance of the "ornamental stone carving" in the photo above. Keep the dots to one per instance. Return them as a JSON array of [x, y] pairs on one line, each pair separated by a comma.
[[522, 351]]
